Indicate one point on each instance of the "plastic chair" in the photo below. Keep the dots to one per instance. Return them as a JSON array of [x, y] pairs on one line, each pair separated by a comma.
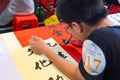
[[24, 22]]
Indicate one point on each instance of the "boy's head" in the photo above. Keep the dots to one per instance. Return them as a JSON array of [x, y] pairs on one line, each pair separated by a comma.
[[88, 11]]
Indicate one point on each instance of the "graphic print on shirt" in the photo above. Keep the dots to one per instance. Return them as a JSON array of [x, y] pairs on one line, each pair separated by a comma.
[[93, 58]]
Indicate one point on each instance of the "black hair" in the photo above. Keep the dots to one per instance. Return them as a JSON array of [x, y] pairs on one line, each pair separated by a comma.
[[87, 11]]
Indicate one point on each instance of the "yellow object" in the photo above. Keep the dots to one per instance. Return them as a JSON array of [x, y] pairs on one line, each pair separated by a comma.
[[52, 20]]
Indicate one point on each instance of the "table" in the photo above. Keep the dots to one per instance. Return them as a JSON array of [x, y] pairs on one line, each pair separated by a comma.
[[21, 38], [15, 40], [55, 31]]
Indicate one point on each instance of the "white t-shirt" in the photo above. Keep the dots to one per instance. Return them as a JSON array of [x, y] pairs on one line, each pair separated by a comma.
[[114, 18], [119, 1], [21, 7]]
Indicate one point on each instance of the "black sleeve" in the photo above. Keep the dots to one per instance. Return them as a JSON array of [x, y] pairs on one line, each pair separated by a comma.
[[112, 2], [102, 43]]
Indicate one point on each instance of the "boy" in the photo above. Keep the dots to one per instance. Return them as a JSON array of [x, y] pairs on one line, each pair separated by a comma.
[[87, 22]]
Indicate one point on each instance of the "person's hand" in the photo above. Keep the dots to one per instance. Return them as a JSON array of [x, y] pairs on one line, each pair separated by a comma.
[[38, 45]]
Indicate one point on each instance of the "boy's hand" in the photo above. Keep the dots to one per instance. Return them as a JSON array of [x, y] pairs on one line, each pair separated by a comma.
[[38, 45]]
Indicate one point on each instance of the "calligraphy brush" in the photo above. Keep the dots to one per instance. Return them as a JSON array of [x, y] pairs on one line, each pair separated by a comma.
[[67, 41]]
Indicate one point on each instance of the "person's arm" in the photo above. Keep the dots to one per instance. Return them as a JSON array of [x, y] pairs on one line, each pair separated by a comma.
[[72, 71]]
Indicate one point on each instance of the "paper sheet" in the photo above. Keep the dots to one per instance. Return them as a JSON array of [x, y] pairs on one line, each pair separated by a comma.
[[39, 67]]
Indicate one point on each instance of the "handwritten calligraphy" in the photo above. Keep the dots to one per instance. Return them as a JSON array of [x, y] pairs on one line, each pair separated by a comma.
[[57, 32], [30, 50], [58, 78]]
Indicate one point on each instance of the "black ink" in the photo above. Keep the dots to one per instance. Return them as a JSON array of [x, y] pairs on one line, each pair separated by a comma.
[[31, 51], [43, 63], [51, 78], [66, 41], [57, 32], [37, 66], [51, 45], [59, 77], [62, 55]]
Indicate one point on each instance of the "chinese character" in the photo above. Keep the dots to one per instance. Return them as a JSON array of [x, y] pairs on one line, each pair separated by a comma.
[[37, 66], [58, 78], [51, 45], [30, 50], [43, 63], [62, 55], [57, 32]]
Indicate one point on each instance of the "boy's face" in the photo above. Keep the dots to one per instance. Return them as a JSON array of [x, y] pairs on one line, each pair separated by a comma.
[[75, 31]]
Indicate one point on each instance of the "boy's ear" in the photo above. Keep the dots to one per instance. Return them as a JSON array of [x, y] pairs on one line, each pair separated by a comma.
[[78, 26]]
